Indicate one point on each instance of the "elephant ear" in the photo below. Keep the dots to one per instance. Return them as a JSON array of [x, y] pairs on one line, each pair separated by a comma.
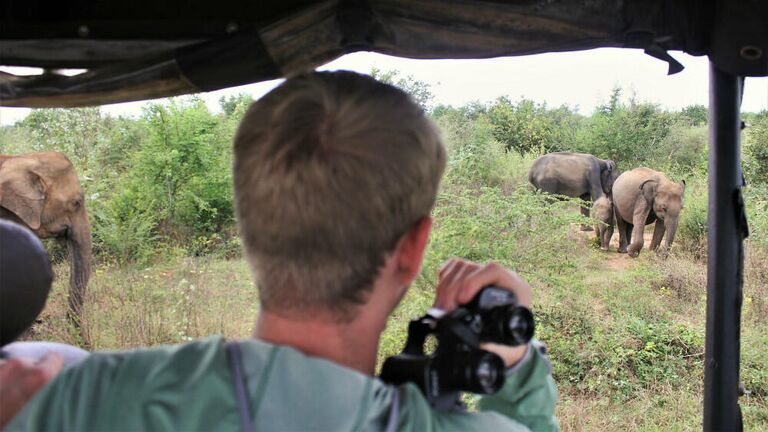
[[22, 192], [607, 177], [648, 188]]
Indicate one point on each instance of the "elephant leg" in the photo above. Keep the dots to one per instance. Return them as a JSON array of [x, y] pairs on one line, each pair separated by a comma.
[[628, 228], [585, 213], [658, 233], [624, 233], [607, 234], [638, 219]]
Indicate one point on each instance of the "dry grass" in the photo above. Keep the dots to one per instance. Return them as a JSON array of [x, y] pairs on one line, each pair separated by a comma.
[[668, 409], [756, 284], [169, 303]]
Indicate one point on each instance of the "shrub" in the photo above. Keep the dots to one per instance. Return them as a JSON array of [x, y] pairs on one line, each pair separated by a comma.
[[682, 151], [629, 133], [124, 232], [692, 226], [756, 152]]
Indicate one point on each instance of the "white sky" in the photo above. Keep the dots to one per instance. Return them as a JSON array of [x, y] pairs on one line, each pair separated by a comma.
[[581, 79]]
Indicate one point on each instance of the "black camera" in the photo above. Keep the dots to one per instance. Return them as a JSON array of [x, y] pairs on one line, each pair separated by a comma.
[[458, 364]]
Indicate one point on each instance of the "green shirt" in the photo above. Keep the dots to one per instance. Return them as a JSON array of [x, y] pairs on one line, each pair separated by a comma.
[[190, 387]]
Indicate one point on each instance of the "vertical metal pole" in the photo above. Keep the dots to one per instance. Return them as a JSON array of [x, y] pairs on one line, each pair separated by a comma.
[[725, 255]]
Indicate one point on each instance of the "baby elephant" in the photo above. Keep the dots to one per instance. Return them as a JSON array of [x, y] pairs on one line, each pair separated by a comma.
[[602, 210]]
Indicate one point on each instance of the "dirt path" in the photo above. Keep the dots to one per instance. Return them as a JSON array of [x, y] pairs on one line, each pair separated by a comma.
[[612, 268], [614, 260]]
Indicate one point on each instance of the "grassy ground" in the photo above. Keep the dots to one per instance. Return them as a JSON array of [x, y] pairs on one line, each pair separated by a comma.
[[625, 336]]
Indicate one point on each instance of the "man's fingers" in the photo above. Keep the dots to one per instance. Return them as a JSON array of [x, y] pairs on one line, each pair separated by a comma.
[[461, 280], [451, 281], [446, 279], [495, 274], [51, 364]]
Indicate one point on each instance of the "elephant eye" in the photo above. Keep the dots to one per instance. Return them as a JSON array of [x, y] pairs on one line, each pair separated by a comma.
[[76, 203]]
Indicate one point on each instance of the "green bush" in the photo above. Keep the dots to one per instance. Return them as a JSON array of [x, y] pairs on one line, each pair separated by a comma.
[[683, 151], [124, 232], [629, 133], [756, 199], [692, 226], [756, 152]]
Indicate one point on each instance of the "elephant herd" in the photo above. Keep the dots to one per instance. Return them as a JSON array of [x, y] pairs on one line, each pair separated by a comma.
[[629, 201], [41, 191]]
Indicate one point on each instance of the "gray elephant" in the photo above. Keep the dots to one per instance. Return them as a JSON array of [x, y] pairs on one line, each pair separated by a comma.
[[641, 197], [41, 191], [602, 211], [577, 175]]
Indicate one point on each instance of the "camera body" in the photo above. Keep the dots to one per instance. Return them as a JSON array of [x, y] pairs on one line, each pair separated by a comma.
[[458, 364]]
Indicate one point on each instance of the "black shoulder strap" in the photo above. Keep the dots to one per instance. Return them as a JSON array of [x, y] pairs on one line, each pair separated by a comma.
[[235, 357]]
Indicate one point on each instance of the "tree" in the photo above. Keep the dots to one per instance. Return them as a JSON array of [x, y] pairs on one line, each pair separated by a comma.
[[756, 152], [629, 133], [182, 172], [235, 103], [526, 126], [77, 132], [695, 115], [420, 91]]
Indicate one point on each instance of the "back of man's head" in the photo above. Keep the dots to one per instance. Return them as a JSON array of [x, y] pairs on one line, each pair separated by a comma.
[[331, 169]]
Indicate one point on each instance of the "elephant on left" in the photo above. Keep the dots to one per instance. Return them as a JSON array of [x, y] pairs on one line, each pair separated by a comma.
[[42, 192]]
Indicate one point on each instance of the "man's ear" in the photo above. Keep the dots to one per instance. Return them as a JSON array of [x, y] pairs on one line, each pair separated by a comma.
[[411, 247]]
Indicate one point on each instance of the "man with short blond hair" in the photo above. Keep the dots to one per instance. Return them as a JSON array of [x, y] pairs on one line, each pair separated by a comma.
[[335, 177], [330, 171]]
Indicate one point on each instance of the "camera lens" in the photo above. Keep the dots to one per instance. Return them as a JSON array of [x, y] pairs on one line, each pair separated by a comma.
[[477, 371], [520, 326], [486, 374], [508, 325]]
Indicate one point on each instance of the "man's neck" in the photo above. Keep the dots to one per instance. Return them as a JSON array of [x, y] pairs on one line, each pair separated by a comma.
[[352, 344]]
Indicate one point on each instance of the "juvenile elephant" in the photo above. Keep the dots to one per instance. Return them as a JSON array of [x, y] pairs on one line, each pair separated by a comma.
[[643, 196], [42, 192], [602, 210], [577, 175]]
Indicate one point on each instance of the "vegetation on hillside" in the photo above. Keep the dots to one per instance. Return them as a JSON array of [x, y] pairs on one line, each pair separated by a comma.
[[626, 336]]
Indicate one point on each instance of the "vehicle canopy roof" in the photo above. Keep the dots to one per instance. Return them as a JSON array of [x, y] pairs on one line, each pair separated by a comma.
[[148, 49]]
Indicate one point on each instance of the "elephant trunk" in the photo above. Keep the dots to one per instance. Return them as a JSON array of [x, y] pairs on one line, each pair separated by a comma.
[[671, 226], [80, 246]]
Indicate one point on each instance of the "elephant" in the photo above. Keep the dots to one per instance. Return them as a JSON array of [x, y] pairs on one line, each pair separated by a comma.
[[602, 211], [643, 196], [41, 191], [577, 175]]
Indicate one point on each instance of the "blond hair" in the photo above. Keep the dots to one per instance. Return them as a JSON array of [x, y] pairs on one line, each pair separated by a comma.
[[331, 170]]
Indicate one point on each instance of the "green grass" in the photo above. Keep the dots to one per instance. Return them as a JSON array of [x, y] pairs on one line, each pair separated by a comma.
[[626, 344]]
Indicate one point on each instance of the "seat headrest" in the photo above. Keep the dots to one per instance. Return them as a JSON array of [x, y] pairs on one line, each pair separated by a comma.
[[25, 280]]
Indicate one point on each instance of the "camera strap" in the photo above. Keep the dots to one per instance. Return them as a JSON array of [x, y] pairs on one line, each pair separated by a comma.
[[394, 411], [235, 357]]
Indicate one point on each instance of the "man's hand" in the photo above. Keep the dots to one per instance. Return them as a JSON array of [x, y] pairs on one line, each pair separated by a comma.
[[21, 379], [459, 282]]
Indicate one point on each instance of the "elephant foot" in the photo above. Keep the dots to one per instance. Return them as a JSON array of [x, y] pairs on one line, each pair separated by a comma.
[[587, 228], [621, 250], [604, 248], [633, 253]]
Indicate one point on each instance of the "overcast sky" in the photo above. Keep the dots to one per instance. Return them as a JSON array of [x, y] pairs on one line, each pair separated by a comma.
[[581, 79]]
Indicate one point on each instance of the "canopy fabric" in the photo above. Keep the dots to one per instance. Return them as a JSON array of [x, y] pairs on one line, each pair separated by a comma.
[[149, 49]]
